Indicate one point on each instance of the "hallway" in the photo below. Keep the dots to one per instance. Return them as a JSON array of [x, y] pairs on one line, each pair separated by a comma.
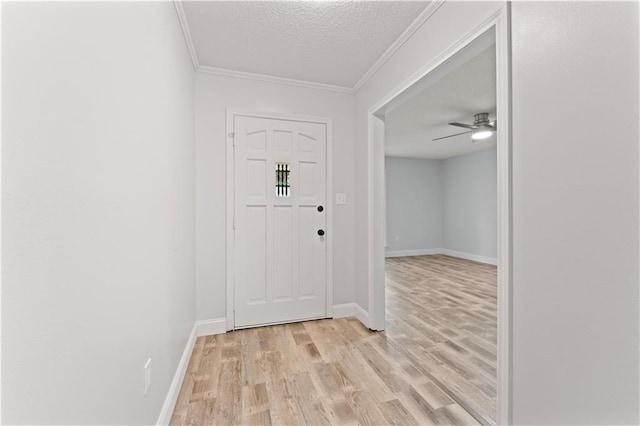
[[427, 366]]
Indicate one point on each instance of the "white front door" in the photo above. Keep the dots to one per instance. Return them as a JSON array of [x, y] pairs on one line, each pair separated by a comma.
[[280, 214]]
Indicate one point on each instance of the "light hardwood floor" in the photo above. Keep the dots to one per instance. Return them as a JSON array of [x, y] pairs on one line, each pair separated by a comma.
[[435, 363]]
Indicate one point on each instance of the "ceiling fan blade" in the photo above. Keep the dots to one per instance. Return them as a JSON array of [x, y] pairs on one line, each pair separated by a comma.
[[466, 126], [450, 136]]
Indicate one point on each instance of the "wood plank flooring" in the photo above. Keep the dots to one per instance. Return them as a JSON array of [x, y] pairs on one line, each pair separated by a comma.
[[435, 363]]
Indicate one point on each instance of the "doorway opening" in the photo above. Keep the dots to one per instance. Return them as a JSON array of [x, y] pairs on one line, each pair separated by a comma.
[[489, 270], [441, 189]]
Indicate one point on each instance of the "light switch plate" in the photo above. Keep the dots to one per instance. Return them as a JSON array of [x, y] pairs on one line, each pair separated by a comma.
[[341, 198]]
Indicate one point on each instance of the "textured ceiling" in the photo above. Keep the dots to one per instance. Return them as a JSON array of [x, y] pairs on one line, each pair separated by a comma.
[[330, 42], [468, 89]]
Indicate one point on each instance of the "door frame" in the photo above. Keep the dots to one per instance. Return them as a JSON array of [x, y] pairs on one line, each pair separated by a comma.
[[231, 113], [500, 22]]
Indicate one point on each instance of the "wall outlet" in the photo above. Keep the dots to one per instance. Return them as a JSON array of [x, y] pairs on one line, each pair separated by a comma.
[[147, 376], [341, 198]]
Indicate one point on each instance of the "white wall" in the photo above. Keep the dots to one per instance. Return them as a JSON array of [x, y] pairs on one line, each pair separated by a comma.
[[575, 200], [98, 210], [575, 210], [469, 203], [213, 95], [414, 204]]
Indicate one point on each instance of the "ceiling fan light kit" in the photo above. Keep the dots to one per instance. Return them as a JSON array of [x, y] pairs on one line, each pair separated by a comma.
[[481, 128], [480, 134]]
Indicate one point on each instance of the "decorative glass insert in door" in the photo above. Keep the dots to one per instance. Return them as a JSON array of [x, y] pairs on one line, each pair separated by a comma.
[[283, 185]]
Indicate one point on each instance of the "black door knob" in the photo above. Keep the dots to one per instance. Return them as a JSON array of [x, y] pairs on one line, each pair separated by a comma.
[[320, 232], [320, 208]]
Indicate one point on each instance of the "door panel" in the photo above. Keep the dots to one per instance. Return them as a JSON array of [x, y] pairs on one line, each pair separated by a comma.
[[280, 260], [256, 255], [283, 251]]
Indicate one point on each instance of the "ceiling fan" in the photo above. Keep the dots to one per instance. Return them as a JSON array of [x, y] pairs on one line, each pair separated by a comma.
[[481, 128]]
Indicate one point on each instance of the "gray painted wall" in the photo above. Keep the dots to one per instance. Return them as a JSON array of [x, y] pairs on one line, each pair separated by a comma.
[[469, 204], [98, 208], [414, 204], [575, 213], [443, 204]]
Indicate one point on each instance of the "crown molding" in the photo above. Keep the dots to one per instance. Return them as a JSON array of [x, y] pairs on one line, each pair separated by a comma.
[[400, 41], [187, 33], [273, 79], [242, 74]]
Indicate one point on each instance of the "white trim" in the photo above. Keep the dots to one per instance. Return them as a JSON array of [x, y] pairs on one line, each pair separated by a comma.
[[371, 209], [277, 116], [376, 194], [273, 79], [344, 310], [452, 253], [174, 389], [439, 60], [399, 42], [500, 21], [362, 315], [405, 253], [211, 327], [1, 225], [329, 213], [230, 233], [199, 329], [187, 33], [184, 24], [504, 216], [351, 310], [406, 35], [231, 113], [469, 256]]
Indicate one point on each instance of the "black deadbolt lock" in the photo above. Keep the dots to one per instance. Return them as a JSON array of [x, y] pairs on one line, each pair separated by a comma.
[[320, 232], [320, 208]]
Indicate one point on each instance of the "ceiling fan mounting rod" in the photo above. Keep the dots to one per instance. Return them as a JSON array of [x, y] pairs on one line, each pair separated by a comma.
[[481, 118]]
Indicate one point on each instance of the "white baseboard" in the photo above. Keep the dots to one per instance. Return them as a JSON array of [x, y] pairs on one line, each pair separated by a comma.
[[453, 253], [419, 252], [351, 310], [200, 328], [178, 378], [469, 256], [344, 310], [212, 326], [362, 315]]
